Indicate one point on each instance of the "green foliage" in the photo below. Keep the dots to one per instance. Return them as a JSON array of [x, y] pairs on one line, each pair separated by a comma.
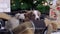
[[43, 9], [16, 4], [27, 4], [24, 6]]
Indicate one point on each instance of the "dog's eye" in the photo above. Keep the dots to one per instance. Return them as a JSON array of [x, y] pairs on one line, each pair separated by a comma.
[[33, 15]]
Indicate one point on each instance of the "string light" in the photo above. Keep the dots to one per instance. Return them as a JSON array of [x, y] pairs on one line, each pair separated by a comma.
[[46, 3], [34, 2], [22, 3]]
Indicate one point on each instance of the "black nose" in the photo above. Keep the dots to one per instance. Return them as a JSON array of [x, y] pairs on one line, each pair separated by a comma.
[[37, 19]]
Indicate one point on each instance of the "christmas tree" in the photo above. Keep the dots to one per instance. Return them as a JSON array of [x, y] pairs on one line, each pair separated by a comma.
[[29, 4]]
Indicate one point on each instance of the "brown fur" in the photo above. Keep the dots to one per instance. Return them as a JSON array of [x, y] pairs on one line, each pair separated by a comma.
[[52, 26], [30, 15], [5, 16], [23, 27], [53, 23]]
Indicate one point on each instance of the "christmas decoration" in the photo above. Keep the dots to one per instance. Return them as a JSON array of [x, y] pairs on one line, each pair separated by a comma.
[[40, 5]]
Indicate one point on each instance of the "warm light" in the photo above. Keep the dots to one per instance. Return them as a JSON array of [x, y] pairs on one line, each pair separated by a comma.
[[46, 4], [51, 3]]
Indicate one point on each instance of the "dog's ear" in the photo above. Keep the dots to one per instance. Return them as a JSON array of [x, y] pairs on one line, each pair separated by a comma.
[[28, 15], [39, 13]]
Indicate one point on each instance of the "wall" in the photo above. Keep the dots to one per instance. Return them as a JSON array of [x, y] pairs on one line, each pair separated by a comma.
[[4, 5]]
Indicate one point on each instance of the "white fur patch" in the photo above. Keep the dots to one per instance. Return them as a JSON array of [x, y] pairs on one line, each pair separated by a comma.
[[36, 14], [20, 16]]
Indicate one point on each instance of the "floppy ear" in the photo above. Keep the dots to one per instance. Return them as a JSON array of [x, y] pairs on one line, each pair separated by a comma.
[[28, 15]]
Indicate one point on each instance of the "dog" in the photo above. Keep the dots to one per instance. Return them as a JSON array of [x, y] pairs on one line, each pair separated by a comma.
[[12, 23], [37, 14], [5, 16], [16, 26], [20, 16], [34, 13]]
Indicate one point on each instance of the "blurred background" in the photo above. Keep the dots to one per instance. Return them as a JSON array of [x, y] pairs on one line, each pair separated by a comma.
[[40, 5]]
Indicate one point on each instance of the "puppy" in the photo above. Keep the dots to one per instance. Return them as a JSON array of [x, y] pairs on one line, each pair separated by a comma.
[[34, 13], [23, 28], [12, 23], [37, 14], [20, 16]]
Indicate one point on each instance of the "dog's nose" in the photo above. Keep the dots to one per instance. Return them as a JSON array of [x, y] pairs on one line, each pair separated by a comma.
[[37, 18]]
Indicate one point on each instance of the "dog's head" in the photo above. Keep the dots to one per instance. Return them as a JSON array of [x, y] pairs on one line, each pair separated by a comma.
[[37, 14], [20, 15], [34, 14]]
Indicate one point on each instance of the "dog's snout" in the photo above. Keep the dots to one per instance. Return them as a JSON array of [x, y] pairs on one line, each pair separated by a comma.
[[37, 18]]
